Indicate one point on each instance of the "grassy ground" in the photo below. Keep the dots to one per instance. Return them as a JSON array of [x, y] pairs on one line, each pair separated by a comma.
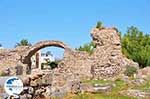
[[144, 87], [114, 94], [97, 96], [97, 81], [119, 84]]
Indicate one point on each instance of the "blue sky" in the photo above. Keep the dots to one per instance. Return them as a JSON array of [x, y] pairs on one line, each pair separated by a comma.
[[67, 20]]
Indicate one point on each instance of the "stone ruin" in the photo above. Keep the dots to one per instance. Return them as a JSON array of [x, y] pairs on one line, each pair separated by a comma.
[[107, 60]]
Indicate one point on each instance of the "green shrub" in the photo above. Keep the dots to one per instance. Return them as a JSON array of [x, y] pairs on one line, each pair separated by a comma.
[[53, 65], [23, 42], [136, 46], [130, 70], [3, 74]]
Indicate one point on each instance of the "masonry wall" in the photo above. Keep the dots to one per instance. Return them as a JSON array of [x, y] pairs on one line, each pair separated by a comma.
[[107, 61]]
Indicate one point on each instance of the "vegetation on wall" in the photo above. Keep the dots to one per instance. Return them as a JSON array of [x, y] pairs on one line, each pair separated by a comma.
[[130, 71], [23, 42], [99, 25]]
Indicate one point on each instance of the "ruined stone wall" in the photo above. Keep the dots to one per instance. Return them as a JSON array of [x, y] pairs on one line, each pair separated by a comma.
[[75, 65], [107, 60], [11, 58]]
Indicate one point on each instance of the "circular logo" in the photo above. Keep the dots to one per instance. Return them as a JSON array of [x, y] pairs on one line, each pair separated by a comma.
[[13, 86]]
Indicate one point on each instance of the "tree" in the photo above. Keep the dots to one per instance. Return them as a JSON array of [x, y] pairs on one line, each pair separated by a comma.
[[136, 46], [53, 64], [0, 45], [23, 42], [88, 47]]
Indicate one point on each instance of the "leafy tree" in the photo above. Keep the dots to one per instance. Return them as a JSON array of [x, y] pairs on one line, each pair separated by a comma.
[[23, 42], [136, 46], [88, 47]]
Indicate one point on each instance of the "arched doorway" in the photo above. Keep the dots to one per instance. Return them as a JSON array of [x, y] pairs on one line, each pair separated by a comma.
[[38, 46]]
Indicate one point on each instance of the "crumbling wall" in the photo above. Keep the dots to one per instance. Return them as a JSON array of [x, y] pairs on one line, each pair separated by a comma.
[[107, 60], [10, 59]]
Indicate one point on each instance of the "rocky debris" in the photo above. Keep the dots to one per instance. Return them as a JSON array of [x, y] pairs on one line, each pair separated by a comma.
[[75, 87], [26, 96], [103, 89], [137, 93], [138, 81], [125, 78], [133, 81], [26, 81], [37, 88], [144, 73], [37, 85], [97, 88], [59, 93]]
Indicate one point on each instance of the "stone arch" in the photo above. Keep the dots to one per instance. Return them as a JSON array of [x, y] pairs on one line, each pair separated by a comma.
[[42, 44]]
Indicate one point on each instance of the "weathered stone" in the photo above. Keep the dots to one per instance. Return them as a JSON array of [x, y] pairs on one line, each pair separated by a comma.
[[40, 97], [138, 81], [137, 93], [104, 89], [19, 70], [26, 81], [87, 88], [47, 79], [33, 83], [26, 96], [30, 90], [10, 57], [36, 86], [33, 49], [144, 73], [106, 62], [108, 58], [76, 87], [96, 88]]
